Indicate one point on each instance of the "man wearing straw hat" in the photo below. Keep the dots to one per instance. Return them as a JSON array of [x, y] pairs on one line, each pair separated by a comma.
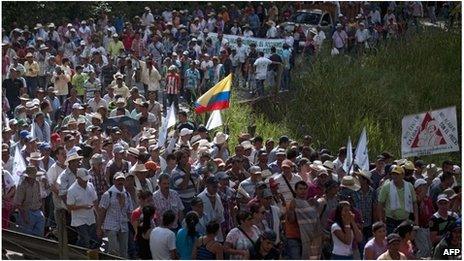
[[29, 202], [397, 200], [65, 180]]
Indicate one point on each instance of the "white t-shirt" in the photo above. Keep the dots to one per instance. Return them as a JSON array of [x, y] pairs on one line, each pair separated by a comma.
[[52, 175], [80, 196], [340, 248], [162, 241], [261, 67]]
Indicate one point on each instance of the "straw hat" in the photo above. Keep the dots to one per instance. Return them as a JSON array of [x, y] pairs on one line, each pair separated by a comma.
[[140, 168], [220, 138], [31, 172], [365, 174], [121, 100], [73, 156], [35, 156], [350, 182]]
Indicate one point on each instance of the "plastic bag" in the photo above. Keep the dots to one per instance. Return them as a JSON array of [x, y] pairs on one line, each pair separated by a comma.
[[334, 51]]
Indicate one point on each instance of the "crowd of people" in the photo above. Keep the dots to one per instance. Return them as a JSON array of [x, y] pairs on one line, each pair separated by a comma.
[[193, 197]]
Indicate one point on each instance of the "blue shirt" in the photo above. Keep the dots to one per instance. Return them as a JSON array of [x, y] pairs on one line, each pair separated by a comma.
[[185, 244]]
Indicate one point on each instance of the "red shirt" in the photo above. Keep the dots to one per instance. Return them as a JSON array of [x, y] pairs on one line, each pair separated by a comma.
[[425, 211], [314, 190], [127, 41], [172, 83]]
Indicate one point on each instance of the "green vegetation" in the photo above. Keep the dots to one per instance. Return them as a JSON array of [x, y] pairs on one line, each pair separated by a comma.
[[338, 96]]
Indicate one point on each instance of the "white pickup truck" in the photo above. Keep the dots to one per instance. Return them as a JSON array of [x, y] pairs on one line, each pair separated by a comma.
[[308, 19]]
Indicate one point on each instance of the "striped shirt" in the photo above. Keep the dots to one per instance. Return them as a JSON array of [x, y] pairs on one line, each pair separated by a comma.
[[187, 194], [283, 187], [172, 83]]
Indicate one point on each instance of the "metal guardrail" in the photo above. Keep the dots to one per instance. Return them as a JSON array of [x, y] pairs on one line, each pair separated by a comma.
[[42, 248]]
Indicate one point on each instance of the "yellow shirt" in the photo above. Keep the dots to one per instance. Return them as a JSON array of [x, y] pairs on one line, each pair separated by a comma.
[[123, 91], [114, 48], [32, 69]]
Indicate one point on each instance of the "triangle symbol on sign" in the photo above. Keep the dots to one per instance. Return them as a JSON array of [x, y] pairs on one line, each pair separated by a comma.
[[429, 134]]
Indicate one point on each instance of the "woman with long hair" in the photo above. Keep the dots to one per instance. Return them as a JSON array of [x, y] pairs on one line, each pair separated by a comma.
[[143, 232], [206, 247], [344, 232], [186, 236]]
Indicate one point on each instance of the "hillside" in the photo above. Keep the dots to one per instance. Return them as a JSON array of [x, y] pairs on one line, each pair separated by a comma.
[[336, 97]]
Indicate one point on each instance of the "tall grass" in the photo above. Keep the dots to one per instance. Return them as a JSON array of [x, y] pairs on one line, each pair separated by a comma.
[[337, 96]]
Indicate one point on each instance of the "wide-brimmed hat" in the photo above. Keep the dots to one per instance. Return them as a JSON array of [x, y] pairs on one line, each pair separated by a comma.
[[328, 165], [73, 156], [350, 182], [365, 174], [29, 55], [220, 138], [31, 172], [24, 97], [35, 156], [121, 100], [118, 75], [140, 168]]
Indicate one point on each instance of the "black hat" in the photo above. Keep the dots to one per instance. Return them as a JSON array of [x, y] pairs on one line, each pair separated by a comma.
[[393, 238], [202, 128], [284, 139], [269, 235], [196, 200], [212, 180]]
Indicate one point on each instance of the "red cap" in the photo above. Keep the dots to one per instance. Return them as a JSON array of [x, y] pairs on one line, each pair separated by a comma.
[[151, 165], [273, 183], [55, 138]]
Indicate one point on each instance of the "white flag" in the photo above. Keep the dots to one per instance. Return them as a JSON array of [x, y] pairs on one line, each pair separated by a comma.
[[33, 129], [171, 117], [163, 131], [19, 166], [349, 157], [215, 120], [361, 157]]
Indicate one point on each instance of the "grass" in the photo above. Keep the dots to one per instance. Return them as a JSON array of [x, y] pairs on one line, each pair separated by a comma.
[[337, 96]]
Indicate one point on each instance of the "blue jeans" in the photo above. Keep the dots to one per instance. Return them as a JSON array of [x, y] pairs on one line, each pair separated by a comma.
[[36, 223], [32, 83], [117, 242], [293, 249], [86, 236], [338, 257], [286, 80], [260, 87]]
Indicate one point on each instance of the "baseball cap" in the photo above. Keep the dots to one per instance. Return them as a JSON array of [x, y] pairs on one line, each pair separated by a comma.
[[397, 170], [287, 163], [118, 149], [255, 170], [419, 182], [83, 174], [393, 238], [77, 106], [24, 134], [119, 175], [442, 197], [211, 180]]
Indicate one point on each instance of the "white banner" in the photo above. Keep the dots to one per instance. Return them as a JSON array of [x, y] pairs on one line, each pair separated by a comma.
[[262, 44], [429, 133]]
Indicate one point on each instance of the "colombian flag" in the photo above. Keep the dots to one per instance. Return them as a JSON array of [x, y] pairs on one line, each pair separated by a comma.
[[217, 98]]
